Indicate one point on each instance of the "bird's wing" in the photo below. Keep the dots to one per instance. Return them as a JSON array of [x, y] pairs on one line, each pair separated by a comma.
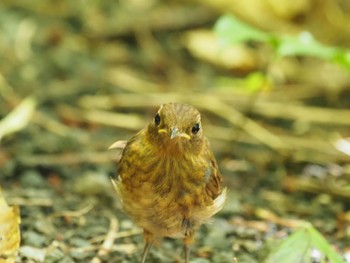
[[213, 185]]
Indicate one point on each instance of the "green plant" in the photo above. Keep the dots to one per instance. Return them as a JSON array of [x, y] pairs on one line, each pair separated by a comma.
[[299, 246], [231, 30]]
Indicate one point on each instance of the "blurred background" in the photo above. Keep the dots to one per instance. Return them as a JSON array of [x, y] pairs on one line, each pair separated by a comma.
[[271, 79]]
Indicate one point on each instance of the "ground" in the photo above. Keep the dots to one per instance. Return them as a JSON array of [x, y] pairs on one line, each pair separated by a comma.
[[97, 72]]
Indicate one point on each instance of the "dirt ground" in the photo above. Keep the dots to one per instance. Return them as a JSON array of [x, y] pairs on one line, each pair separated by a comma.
[[99, 71]]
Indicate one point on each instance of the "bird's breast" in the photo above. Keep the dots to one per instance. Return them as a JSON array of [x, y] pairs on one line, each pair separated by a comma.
[[161, 191]]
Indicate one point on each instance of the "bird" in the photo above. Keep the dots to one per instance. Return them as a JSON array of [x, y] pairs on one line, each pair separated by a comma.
[[168, 180]]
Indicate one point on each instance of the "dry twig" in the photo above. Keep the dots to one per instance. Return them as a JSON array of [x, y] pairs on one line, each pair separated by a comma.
[[108, 241]]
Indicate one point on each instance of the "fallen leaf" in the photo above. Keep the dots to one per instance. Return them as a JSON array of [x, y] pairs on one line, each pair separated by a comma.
[[18, 118], [9, 231]]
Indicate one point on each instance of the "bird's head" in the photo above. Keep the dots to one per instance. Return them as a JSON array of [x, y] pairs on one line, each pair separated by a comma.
[[176, 125]]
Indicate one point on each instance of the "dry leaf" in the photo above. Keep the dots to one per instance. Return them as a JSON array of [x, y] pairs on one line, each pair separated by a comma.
[[9, 231], [18, 118], [204, 44]]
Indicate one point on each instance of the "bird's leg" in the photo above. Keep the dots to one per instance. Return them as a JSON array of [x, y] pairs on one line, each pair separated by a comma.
[[187, 249], [188, 240], [149, 239], [148, 245]]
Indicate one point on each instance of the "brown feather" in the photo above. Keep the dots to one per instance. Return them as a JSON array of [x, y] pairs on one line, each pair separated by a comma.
[[170, 186]]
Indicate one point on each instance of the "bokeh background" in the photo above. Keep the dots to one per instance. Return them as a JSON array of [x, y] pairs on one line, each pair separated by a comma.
[[80, 75]]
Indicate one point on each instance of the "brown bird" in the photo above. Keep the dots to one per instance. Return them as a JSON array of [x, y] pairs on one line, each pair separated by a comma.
[[168, 179]]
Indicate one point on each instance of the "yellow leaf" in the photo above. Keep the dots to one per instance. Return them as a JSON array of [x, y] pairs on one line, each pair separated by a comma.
[[9, 231], [18, 118]]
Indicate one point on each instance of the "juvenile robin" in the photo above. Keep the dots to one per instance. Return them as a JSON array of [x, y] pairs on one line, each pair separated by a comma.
[[168, 179]]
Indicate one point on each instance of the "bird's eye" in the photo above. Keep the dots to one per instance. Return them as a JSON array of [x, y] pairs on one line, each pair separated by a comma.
[[157, 119], [196, 128]]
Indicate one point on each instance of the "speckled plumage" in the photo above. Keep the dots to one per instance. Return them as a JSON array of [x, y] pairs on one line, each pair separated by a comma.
[[168, 178]]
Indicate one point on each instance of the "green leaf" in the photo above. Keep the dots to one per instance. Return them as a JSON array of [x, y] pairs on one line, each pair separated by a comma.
[[319, 242], [256, 81], [298, 246], [304, 45], [342, 58], [18, 118], [295, 248], [231, 30]]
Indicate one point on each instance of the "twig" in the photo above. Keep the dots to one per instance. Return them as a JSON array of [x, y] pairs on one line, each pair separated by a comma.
[[77, 213], [117, 235], [304, 113], [30, 202], [129, 80], [50, 124], [206, 102], [316, 186], [125, 121], [260, 226], [238, 119], [108, 241], [125, 248], [262, 106], [67, 158], [295, 145], [270, 216], [174, 18], [298, 147]]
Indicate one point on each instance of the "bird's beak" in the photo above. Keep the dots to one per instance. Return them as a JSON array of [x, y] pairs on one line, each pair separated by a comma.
[[175, 132]]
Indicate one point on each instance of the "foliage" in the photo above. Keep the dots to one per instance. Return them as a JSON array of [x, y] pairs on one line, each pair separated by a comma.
[[231, 30], [299, 246]]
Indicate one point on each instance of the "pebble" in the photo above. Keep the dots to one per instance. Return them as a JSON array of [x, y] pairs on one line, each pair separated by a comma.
[[32, 179], [92, 183], [34, 239]]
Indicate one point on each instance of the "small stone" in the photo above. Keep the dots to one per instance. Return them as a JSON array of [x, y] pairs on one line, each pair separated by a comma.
[[200, 260], [36, 254], [34, 239], [232, 205], [32, 178], [56, 255], [223, 257], [92, 183], [217, 236], [79, 242], [44, 226]]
